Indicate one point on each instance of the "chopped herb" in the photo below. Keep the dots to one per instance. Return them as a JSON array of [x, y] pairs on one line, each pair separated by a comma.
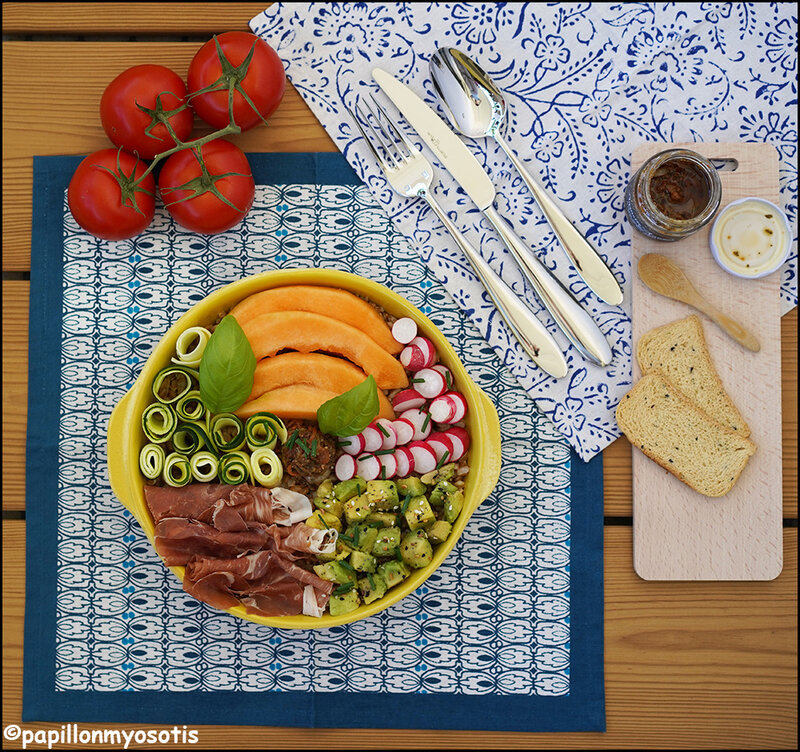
[[342, 589], [347, 565], [383, 472], [322, 520], [302, 444], [397, 554], [292, 439], [382, 430], [406, 502], [417, 381], [314, 448], [356, 535], [371, 581], [427, 421], [383, 451], [342, 443], [442, 460], [346, 538]]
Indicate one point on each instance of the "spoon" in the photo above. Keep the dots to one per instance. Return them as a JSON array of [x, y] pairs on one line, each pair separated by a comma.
[[666, 278], [475, 107]]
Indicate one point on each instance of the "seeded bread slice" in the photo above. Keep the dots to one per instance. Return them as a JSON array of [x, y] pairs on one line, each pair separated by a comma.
[[679, 351], [670, 429]]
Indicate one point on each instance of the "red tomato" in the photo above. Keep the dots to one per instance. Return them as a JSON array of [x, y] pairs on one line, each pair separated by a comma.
[[104, 204], [264, 82], [127, 126], [188, 188]]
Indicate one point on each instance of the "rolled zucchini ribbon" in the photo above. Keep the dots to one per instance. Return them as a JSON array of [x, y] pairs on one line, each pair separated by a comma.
[[189, 438], [151, 460], [186, 378], [234, 468], [204, 466], [190, 346], [266, 467], [159, 422], [190, 406], [264, 430], [227, 432], [177, 470]]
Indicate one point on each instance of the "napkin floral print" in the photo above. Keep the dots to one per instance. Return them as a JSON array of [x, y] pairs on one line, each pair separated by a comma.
[[584, 83]]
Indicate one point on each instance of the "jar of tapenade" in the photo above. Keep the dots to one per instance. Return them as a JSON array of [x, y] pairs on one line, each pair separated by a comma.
[[673, 194]]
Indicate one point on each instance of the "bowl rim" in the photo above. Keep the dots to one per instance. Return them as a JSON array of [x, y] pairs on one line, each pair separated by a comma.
[[482, 423]]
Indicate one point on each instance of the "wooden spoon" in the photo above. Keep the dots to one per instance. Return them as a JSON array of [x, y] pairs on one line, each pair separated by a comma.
[[666, 278]]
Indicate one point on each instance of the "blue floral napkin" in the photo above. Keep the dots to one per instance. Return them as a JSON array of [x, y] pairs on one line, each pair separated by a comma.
[[584, 84]]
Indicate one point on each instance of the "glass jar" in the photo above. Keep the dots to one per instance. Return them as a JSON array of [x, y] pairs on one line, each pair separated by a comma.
[[673, 194]]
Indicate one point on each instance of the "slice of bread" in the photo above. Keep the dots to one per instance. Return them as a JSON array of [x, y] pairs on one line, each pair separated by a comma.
[[679, 351], [670, 429]]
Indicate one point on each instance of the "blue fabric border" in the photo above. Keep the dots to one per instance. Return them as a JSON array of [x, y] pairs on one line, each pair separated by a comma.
[[582, 710]]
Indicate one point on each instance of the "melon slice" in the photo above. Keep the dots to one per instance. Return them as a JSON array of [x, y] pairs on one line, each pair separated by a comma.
[[328, 301], [298, 401], [314, 369], [309, 332]]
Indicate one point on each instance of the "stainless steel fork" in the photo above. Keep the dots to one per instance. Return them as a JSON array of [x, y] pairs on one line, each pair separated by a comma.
[[410, 174]]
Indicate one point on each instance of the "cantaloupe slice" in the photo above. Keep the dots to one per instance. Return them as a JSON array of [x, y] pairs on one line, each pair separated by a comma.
[[314, 369], [305, 332], [299, 401], [328, 301]]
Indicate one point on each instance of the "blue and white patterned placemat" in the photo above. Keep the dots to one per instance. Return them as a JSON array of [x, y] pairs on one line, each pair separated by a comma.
[[584, 83], [512, 620]]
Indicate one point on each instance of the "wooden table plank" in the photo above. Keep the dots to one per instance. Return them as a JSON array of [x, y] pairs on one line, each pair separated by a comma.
[[688, 665]]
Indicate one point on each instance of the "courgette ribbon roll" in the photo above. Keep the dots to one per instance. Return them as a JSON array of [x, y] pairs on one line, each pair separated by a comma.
[[264, 430], [205, 466], [234, 468], [151, 460], [190, 346], [177, 470], [266, 467], [158, 422], [189, 438], [227, 432], [172, 382], [190, 406]]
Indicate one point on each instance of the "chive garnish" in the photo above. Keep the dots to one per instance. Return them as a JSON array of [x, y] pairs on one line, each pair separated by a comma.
[[442, 460], [322, 520], [417, 381], [383, 451], [292, 439], [406, 502], [356, 535], [383, 472], [346, 538], [302, 444], [371, 581], [382, 430], [344, 443], [342, 589], [397, 554], [314, 448], [426, 421], [347, 565]]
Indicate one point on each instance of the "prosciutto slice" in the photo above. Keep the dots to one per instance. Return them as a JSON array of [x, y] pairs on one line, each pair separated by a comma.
[[178, 540]]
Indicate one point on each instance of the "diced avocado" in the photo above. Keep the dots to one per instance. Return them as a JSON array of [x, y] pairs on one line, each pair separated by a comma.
[[411, 486], [358, 508], [321, 520], [336, 571], [419, 513], [439, 494], [445, 472], [383, 494], [382, 519], [363, 537], [347, 489], [362, 562], [344, 603], [393, 572], [415, 548], [439, 532], [342, 552], [325, 490], [372, 587], [452, 505], [387, 541]]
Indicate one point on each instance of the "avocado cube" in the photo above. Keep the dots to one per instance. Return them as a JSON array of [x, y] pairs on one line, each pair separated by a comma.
[[445, 472], [453, 504], [393, 572], [362, 562], [382, 519], [372, 587], [363, 537], [419, 513], [439, 494], [387, 541], [347, 489], [344, 603], [336, 571], [439, 532], [411, 486], [415, 548], [383, 494], [357, 508], [321, 520], [342, 552]]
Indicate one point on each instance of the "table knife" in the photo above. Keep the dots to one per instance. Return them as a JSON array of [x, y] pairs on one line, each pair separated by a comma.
[[572, 319]]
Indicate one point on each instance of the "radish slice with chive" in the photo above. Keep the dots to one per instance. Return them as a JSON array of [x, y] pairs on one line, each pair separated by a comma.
[[352, 444], [404, 429], [407, 399], [450, 407], [388, 434], [418, 354], [368, 467], [405, 462], [442, 447], [424, 457], [445, 371], [373, 438], [460, 440], [345, 467], [421, 422], [388, 466], [404, 330], [429, 383]]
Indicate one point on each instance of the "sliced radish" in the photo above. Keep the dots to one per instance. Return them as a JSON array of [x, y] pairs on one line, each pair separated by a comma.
[[407, 400], [421, 422], [460, 439], [388, 466], [429, 383], [373, 438], [388, 434], [417, 354], [368, 467], [424, 457], [405, 462], [442, 446], [352, 444], [445, 371], [345, 467], [404, 330], [450, 407], [404, 429]]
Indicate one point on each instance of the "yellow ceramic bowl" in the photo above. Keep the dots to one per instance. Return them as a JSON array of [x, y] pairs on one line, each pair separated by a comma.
[[126, 438]]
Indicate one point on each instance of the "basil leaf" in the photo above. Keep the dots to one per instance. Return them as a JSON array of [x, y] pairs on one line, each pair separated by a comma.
[[227, 368], [351, 412]]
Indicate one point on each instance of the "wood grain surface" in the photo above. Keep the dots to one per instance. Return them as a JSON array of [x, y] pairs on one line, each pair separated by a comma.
[[688, 665]]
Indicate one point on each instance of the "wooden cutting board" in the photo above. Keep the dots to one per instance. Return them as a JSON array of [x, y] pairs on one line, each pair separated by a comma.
[[679, 534]]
